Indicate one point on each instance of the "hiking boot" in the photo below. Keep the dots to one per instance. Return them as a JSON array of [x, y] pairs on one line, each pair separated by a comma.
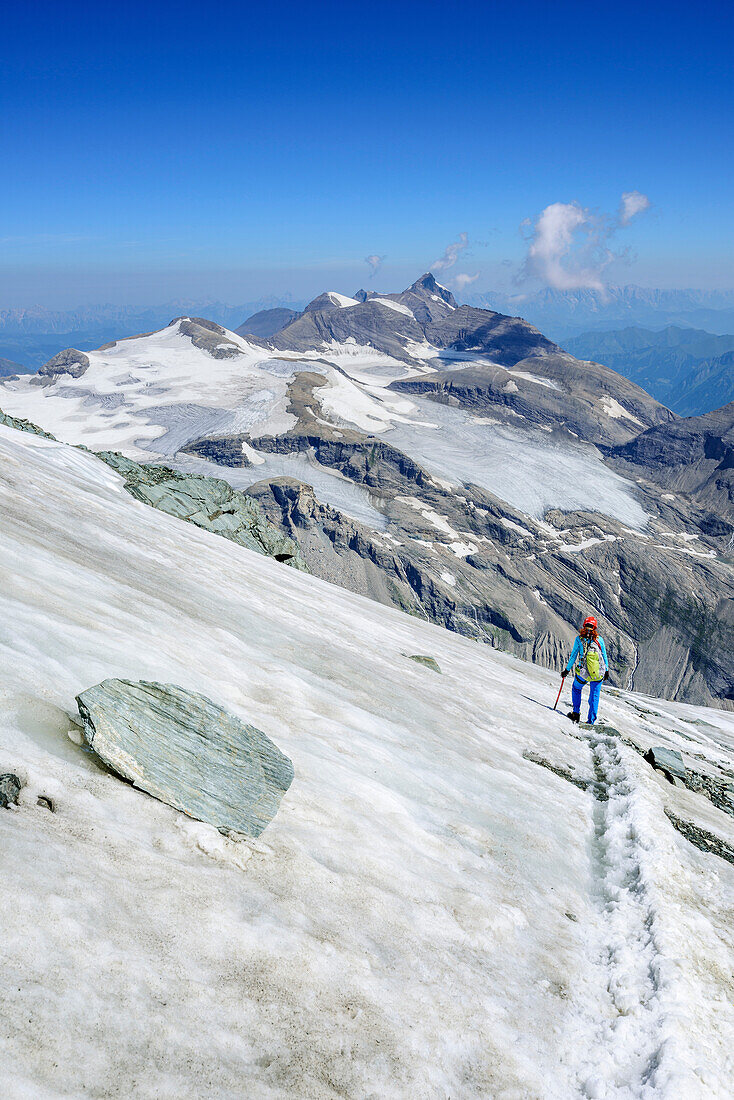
[[573, 715]]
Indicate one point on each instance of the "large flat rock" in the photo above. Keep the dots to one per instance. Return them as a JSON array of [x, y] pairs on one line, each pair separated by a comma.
[[187, 751]]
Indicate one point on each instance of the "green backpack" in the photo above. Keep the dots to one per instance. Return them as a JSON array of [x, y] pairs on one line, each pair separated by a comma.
[[594, 661]]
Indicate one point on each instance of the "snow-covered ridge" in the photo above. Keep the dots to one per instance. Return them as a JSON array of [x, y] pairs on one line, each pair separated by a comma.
[[430, 914], [342, 300]]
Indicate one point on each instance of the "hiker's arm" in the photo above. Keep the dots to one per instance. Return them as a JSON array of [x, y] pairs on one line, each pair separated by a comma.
[[574, 655]]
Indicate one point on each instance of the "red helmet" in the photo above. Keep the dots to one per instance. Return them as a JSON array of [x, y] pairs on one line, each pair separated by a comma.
[[589, 621]]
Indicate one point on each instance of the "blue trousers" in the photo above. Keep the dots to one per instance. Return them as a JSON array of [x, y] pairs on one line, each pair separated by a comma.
[[594, 693]]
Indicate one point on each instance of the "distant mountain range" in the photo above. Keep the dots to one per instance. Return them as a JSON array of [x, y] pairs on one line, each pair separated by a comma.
[[33, 336], [564, 313], [14, 322], [447, 460], [689, 370]]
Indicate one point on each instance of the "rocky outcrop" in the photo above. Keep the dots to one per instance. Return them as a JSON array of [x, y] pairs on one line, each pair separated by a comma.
[[187, 751], [425, 660], [208, 502], [209, 337], [693, 456], [700, 838], [70, 361], [10, 788], [669, 762], [22, 425]]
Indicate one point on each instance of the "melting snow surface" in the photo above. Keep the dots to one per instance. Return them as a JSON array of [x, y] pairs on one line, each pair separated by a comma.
[[547, 382], [429, 915]]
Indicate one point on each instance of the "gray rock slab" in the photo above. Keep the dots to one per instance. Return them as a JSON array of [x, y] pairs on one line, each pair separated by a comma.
[[668, 761], [187, 751]]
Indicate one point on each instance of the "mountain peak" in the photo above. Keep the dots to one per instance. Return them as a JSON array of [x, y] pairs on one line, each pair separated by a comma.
[[427, 285], [329, 299]]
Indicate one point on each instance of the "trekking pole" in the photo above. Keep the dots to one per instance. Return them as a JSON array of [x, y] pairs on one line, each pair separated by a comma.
[[559, 694]]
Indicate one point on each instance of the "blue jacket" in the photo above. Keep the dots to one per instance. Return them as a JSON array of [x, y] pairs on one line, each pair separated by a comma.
[[578, 657]]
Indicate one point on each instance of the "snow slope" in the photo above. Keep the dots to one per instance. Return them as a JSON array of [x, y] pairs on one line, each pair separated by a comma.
[[429, 915]]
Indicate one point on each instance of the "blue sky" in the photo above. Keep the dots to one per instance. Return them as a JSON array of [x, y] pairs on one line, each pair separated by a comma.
[[234, 150]]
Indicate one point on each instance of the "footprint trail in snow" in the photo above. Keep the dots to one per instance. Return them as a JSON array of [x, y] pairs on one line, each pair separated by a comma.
[[630, 1055]]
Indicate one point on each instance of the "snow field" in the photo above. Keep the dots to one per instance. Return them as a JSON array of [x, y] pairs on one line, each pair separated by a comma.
[[401, 929]]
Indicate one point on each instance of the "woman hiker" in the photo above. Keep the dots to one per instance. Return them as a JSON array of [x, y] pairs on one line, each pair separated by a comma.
[[589, 656]]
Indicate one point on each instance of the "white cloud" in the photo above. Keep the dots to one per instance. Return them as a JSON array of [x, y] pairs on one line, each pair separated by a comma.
[[451, 253], [633, 203], [374, 263], [560, 248], [568, 247], [463, 281]]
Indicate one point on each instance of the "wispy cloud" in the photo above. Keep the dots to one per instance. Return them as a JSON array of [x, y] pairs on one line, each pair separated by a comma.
[[374, 263], [451, 253], [633, 203], [569, 244], [461, 282], [48, 238]]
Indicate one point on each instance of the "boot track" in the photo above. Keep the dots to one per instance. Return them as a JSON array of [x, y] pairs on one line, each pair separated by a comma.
[[629, 1055]]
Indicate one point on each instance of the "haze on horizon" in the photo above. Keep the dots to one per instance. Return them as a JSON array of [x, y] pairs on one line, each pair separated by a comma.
[[152, 154]]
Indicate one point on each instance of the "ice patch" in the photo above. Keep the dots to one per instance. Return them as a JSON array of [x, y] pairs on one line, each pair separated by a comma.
[[525, 532], [616, 411], [462, 549], [549, 385], [397, 306], [342, 299], [576, 548]]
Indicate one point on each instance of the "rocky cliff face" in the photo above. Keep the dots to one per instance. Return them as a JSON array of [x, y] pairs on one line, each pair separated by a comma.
[[468, 561], [694, 456]]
